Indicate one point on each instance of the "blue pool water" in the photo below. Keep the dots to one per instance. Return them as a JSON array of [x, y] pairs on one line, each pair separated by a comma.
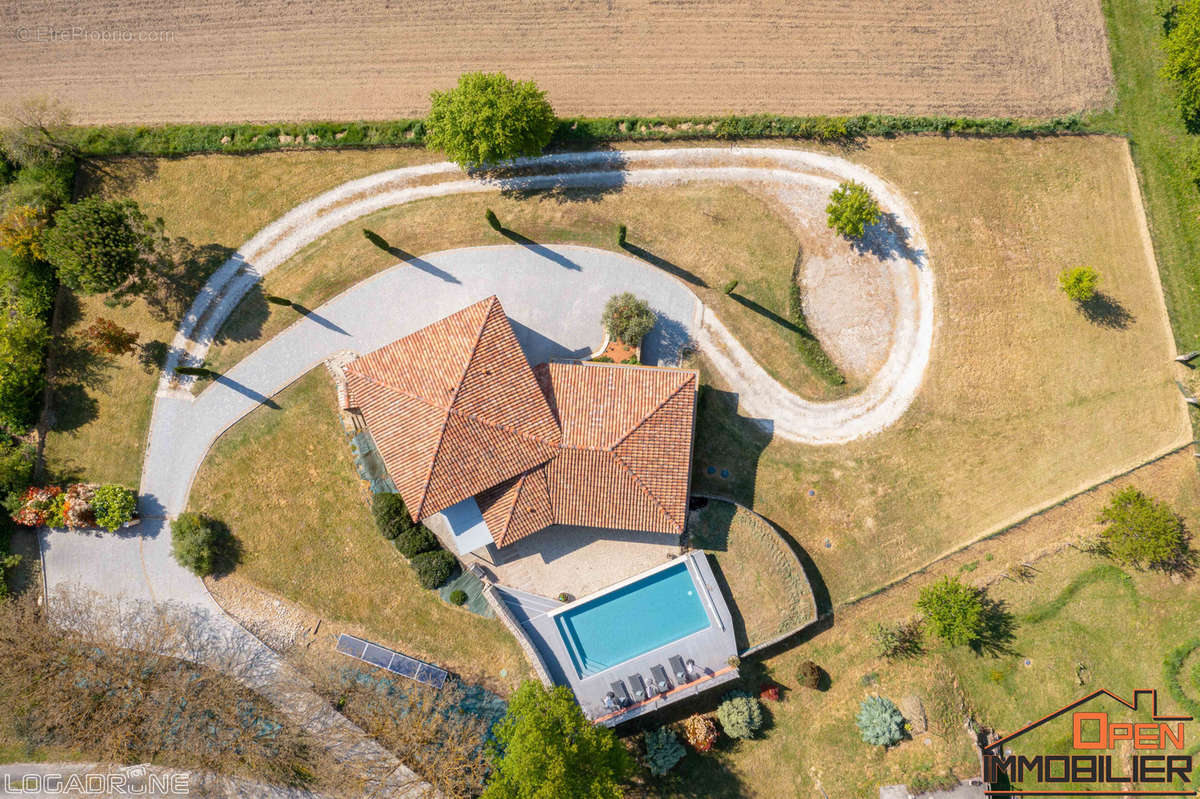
[[632, 620]]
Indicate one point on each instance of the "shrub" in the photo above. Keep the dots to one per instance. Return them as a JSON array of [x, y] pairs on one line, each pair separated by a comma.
[[109, 338], [544, 746], [492, 220], [78, 512], [700, 732], [770, 693], [955, 611], [23, 339], [489, 118], [621, 232], [896, 641], [200, 543], [729, 287], [1182, 65], [36, 506], [113, 505], [43, 185], [852, 209], [433, 568], [880, 721], [632, 360], [627, 319], [458, 597], [601, 359], [808, 675], [16, 472], [1142, 532], [414, 540], [1079, 283], [99, 246], [740, 714], [21, 230], [390, 514], [663, 751], [8, 562]]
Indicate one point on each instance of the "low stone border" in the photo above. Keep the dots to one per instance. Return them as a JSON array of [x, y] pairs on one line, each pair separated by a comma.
[[799, 565]]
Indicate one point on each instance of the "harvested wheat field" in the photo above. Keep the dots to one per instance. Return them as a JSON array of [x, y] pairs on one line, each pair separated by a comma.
[[226, 61]]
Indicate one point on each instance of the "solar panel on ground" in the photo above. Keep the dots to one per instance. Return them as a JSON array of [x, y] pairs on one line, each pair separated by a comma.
[[395, 662]]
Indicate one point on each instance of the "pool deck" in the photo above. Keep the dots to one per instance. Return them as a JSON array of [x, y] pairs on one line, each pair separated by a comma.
[[709, 648]]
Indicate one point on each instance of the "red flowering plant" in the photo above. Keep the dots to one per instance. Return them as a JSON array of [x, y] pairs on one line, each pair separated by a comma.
[[770, 692], [77, 510], [700, 732], [39, 506]]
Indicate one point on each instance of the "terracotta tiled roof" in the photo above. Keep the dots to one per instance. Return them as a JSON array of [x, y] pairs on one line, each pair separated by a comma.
[[626, 449], [453, 408], [517, 507]]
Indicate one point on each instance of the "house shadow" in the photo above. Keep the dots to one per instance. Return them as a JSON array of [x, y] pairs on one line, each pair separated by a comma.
[[540, 249], [408, 258], [667, 343], [727, 447], [540, 349], [888, 239], [663, 264]]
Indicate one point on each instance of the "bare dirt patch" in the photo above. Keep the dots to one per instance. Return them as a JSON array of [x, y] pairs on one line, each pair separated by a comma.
[[121, 61]]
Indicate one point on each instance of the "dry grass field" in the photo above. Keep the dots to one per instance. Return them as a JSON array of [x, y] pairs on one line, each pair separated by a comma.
[[226, 61]]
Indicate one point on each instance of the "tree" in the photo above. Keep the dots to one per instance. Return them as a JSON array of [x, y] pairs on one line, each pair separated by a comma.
[[1182, 64], [16, 472], [35, 131], [1079, 283], [852, 209], [544, 748], [1142, 532], [663, 751], [113, 505], [110, 338], [99, 246], [740, 714], [879, 721], [21, 230], [955, 611], [627, 319], [23, 340], [201, 544], [489, 118]]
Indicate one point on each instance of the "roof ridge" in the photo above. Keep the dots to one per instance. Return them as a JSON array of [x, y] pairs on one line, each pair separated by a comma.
[[437, 451], [613, 447], [498, 426]]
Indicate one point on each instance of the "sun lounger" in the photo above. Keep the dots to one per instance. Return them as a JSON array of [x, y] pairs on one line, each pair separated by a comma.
[[639, 687], [681, 672], [620, 692], [660, 678]]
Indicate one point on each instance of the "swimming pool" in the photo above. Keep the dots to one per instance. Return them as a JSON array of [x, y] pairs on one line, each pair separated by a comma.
[[632, 619]]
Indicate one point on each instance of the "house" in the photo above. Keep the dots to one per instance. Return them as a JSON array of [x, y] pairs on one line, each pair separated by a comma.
[[467, 429]]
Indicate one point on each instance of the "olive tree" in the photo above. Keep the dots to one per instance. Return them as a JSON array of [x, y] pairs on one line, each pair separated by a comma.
[[1142, 532], [627, 319]]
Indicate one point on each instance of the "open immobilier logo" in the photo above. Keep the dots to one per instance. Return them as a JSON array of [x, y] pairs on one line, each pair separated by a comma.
[[1113, 754]]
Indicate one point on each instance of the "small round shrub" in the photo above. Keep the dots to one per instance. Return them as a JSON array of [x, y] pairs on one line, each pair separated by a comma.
[[1079, 283], [809, 675], [628, 319], [199, 542], [701, 732], [433, 568], [113, 505], [415, 540], [391, 517], [880, 721], [740, 714], [458, 597], [663, 751]]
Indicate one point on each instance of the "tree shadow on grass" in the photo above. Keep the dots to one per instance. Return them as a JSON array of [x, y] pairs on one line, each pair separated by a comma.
[[999, 630], [77, 368], [228, 552], [663, 264], [1106, 311], [407, 257], [767, 313], [178, 271], [247, 320]]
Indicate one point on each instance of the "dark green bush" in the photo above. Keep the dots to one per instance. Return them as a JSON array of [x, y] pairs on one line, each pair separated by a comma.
[[1182, 65], [391, 517], [202, 544], [415, 539], [730, 286], [602, 359], [433, 568], [621, 231], [809, 675], [492, 219], [458, 597], [807, 345]]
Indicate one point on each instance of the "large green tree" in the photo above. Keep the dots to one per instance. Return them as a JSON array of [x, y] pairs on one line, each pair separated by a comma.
[[1142, 532], [545, 749], [22, 344], [99, 246], [489, 118], [1182, 65], [852, 209]]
